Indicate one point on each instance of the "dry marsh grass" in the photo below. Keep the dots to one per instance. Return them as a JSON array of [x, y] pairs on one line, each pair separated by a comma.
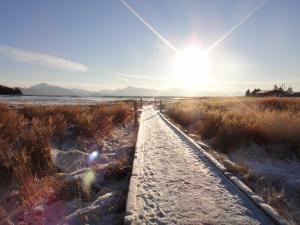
[[235, 122], [27, 133], [34, 191]]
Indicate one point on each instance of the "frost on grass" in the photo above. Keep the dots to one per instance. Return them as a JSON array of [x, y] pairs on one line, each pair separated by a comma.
[[89, 150], [277, 180]]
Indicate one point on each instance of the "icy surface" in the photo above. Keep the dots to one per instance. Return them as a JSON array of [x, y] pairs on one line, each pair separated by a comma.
[[177, 186], [57, 100]]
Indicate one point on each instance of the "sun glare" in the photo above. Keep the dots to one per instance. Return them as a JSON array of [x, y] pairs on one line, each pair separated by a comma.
[[193, 67]]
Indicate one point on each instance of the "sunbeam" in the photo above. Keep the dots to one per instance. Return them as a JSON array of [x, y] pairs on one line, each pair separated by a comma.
[[186, 65], [236, 26], [149, 26]]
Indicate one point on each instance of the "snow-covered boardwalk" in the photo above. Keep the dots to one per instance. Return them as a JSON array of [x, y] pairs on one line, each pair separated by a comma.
[[175, 185]]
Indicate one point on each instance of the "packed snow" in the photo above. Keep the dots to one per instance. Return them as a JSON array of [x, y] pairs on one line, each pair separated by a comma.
[[176, 185]]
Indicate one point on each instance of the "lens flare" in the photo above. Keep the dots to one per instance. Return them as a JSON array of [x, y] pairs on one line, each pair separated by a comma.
[[93, 155], [89, 178]]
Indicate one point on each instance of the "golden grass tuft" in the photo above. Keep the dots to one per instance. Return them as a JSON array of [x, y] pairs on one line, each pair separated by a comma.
[[235, 122], [35, 191]]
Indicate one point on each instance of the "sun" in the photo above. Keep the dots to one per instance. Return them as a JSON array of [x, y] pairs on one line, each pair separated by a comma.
[[192, 67]]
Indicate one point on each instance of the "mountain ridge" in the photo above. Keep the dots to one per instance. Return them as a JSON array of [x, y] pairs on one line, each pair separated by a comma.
[[54, 90]]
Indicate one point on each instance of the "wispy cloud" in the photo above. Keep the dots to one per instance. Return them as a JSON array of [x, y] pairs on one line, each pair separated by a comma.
[[142, 77], [123, 78], [43, 59]]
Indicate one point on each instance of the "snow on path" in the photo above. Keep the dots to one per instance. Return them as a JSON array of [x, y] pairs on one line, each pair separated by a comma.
[[177, 186]]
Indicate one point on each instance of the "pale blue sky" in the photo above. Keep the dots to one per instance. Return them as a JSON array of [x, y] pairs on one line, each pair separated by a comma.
[[101, 44]]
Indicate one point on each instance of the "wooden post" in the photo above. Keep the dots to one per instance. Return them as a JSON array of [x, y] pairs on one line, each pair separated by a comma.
[[141, 102], [160, 105], [154, 101], [135, 114]]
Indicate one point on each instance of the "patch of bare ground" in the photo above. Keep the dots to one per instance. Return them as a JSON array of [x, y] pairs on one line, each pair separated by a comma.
[[256, 139], [65, 164]]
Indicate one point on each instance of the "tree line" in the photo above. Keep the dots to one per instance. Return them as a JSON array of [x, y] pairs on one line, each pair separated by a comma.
[[10, 91]]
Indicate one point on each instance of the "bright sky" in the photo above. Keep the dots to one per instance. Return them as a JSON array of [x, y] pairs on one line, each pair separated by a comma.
[[101, 44]]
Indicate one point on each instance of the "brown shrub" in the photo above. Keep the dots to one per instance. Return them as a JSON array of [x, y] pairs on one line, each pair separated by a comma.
[[275, 103], [59, 125], [10, 125], [30, 112], [183, 113], [20, 165], [122, 113], [36, 142], [83, 126], [208, 125], [34, 191], [102, 119], [99, 119], [280, 127]]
